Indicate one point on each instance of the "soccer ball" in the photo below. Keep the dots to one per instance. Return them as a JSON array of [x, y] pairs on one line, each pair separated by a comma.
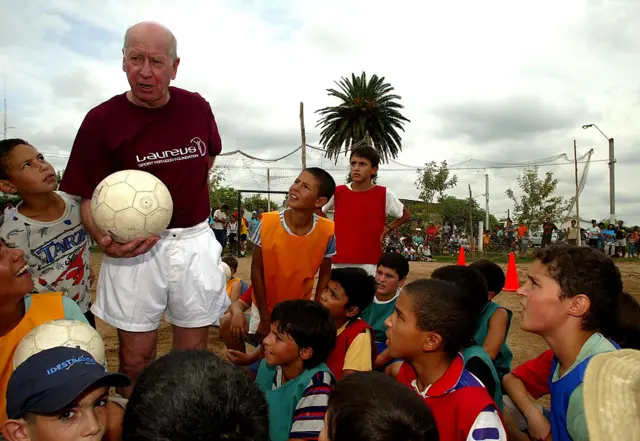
[[227, 271], [56, 333], [130, 204]]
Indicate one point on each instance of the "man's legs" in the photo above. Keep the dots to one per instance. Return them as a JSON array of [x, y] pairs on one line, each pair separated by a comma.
[[225, 334], [190, 338], [136, 351]]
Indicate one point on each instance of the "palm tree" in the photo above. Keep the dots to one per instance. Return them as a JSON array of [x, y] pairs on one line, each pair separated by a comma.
[[368, 114]]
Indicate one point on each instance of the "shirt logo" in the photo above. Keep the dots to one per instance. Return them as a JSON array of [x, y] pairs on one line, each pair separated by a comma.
[[198, 148]]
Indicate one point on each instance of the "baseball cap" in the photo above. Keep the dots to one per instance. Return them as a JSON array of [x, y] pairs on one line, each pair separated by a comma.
[[52, 379]]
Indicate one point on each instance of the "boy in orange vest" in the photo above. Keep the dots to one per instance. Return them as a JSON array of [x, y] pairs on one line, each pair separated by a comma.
[[349, 292], [20, 312], [292, 246]]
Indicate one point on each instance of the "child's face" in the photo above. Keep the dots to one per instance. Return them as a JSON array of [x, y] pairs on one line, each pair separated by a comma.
[[404, 339], [280, 349], [13, 281], [361, 169], [303, 193], [335, 299], [84, 420], [542, 307], [28, 172], [387, 280]]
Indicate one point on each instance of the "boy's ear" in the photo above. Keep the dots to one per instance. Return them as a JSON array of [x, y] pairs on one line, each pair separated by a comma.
[[579, 305], [321, 202], [352, 311], [432, 342], [401, 282], [492, 295], [305, 353], [7, 187], [15, 430]]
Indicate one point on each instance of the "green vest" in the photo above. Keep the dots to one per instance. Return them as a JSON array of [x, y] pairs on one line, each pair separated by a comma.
[[478, 362], [375, 315], [505, 356], [283, 401]]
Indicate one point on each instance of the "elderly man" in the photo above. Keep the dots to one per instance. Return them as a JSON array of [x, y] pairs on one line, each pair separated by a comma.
[[172, 134]]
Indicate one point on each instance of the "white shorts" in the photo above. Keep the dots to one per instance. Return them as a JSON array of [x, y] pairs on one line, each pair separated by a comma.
[[181, 277], [621, 242], [370, 268]]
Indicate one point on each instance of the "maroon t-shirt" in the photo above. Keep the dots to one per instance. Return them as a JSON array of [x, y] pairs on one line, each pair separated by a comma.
[[172, 142]]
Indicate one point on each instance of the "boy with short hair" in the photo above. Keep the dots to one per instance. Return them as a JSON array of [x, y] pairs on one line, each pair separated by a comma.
[[432, 322], [494, 320], [235, 286], [360, 210], [60, 393], [293, 374], [194, 395], [20, 312], [46, 225], [391, 275], [570, 294], [349, 292], [292, 246], [391, 411]]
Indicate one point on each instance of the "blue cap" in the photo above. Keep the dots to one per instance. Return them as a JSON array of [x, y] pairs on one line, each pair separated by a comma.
[[52, 379]]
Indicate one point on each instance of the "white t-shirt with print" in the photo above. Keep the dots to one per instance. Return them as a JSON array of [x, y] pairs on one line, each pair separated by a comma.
[[57, 252], [219, 214]]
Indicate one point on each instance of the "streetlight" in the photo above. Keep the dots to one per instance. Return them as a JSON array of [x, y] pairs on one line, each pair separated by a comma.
[[612, 183]]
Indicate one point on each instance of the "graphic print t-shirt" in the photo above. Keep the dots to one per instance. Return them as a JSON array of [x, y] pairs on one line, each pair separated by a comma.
[[57, 252]]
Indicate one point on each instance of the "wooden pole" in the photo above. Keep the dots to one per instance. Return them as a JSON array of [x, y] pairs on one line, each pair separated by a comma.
[[470, 218], [575, 164], [268, 191], [304, 137]]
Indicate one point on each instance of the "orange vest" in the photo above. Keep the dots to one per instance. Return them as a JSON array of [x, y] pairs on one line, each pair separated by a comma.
[[43, 308], [289, 262]]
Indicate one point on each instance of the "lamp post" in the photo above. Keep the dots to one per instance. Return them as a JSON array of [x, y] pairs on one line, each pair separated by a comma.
[[612, 179]]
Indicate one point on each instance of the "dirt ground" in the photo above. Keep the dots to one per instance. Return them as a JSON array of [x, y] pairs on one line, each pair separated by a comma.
[[523, 345]]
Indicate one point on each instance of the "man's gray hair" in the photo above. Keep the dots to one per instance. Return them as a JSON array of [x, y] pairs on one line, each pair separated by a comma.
[[173, 46]]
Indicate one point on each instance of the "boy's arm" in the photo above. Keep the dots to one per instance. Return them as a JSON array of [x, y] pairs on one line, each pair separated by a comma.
[[406, 215], [358, 356], [497, 333], [488, 421], [538, 426], [236, 291], [323, 277], [257, 281], [308, 418]]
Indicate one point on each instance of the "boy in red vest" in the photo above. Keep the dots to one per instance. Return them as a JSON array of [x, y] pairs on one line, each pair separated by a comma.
[[349, 292], [360, 210], [432, 322], [20, 312], [292, 246]]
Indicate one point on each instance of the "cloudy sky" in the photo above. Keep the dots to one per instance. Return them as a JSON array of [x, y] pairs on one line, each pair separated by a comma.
[[498, 81]]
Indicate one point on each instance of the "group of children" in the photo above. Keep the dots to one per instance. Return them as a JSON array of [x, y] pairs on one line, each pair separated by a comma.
[[363, 356]]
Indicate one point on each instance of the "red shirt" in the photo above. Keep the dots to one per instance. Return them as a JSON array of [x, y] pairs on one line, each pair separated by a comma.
[[360, 217], [343, 342], [535, 374], [172, 142]]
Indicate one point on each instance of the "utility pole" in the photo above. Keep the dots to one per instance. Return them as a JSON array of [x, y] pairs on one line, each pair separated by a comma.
[[486, 200], [5, 126], [304, 137], [268, 190], [575, 166], [612, 183], [470, 217]]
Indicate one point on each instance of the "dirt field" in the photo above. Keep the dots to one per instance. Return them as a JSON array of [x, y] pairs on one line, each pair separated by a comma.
[[523, 345]]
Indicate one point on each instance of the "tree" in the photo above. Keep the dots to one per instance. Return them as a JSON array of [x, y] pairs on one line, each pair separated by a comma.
[[456, 211], [537, 201], [369, 113], [59, 175], [255, 203], [434, 179], [218, 193]]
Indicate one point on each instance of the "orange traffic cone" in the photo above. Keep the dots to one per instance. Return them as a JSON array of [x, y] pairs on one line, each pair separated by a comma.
[[461, 258], [512, 284]]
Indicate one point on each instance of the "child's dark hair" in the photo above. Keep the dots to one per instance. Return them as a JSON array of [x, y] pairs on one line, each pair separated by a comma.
[[310, 325], [396, 262], [6, 147], [492, 273], [367, 153], [231, 261], [626, 329], [326, 183], [187, 395], [443, 308], [371, 406], [583, 270], [358, 285], [469, 280]]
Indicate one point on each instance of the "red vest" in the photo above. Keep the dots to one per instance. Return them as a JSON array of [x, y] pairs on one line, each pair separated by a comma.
[[360, 217], [454, 412], [343, 342]]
